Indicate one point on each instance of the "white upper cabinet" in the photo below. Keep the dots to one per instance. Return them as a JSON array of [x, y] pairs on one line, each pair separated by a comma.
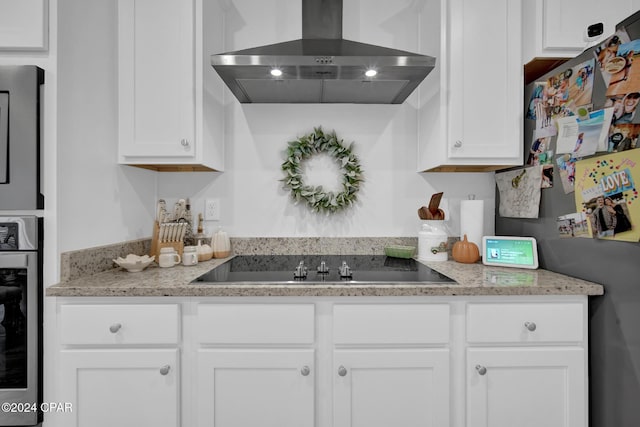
[[470, 112], [556, 29], [171, 115], [24, 25]]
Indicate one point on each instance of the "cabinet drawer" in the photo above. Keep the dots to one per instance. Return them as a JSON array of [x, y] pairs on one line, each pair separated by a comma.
[[391, 323], [120, 324], [522, 323], [256, 323]]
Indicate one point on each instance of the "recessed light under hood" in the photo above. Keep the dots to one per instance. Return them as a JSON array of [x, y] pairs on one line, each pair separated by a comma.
[[322, 67]]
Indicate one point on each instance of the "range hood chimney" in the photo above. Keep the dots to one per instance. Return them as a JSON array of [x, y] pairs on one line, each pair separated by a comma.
[[322, 67]]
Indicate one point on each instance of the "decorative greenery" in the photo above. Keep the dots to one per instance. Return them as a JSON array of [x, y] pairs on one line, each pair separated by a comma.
[[317, 198]]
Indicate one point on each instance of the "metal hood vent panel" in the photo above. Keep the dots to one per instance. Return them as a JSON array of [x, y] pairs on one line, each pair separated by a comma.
[[322, 70]]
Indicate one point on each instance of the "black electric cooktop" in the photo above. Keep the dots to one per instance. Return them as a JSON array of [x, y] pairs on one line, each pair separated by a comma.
[[321, 268]]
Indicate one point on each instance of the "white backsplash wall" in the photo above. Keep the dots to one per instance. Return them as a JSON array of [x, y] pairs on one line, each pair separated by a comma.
[[254, 204], [99, 201]]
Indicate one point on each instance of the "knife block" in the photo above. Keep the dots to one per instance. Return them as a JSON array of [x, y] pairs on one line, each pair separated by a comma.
[[156, 244]]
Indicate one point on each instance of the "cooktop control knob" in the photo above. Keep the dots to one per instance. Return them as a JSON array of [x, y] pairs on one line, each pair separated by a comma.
[[345, 271], [301, 271], [322, 268]]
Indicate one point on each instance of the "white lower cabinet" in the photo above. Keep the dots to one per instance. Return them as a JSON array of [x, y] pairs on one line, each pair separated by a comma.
[[255, 364], [526, 364], [526, 387], [322, 362], [124, 387], [380, 388], [119, 364], [256, 387]]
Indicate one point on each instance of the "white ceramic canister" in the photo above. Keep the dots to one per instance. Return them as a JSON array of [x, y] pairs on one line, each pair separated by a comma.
[[432, 241], [190, 255]]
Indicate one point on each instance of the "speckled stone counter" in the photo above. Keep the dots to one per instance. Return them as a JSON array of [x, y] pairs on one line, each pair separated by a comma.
[[471, 280]]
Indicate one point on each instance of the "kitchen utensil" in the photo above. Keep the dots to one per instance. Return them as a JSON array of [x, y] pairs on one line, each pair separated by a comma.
[[183, 231], [434, 204], [424, 213]]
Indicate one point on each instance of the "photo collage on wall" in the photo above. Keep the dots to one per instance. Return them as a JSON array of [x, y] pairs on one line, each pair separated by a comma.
[[570, 137], [606, 195]]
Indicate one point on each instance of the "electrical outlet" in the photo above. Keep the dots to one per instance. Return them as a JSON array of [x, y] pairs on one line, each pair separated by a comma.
[[212, 210]]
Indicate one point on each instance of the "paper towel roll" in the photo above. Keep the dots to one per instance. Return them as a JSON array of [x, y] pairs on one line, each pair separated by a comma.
[[472, 221]]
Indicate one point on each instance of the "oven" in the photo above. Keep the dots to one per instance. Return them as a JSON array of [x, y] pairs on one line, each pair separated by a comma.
[[20, 137], [20, 320]]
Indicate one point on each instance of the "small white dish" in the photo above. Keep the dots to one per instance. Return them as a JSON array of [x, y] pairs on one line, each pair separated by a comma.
[[134, 263]]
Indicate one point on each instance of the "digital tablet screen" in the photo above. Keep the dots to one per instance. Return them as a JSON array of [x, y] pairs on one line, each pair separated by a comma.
[[509, 251]]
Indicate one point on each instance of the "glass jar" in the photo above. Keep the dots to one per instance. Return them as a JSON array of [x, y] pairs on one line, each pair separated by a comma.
[[190, 255]]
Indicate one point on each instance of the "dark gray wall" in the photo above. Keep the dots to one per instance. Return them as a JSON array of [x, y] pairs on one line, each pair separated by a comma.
[[614, 319]]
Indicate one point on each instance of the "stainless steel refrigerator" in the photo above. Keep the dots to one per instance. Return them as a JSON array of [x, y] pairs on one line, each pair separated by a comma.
[[614, 319]]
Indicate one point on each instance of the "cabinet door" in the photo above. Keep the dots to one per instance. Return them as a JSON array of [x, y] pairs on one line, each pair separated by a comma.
[[124, 388], [262, 387], [527, 387], [485, 104], [564, 23], [381, 388], [156, 78]]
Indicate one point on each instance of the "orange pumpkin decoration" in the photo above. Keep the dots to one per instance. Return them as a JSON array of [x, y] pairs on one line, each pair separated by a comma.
[[465, 251]]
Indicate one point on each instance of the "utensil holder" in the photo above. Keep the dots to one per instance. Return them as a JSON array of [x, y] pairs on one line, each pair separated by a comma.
[[156, 244]]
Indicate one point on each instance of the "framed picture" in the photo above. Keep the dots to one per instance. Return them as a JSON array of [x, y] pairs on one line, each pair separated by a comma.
[[24, 24]]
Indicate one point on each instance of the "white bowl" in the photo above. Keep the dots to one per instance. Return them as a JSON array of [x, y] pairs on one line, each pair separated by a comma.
[[134, 263]]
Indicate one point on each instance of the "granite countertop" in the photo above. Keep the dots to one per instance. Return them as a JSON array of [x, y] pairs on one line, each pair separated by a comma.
[[471, 279]]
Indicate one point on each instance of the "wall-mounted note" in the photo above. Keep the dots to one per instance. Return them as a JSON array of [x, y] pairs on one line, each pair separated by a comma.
[[520, 192]]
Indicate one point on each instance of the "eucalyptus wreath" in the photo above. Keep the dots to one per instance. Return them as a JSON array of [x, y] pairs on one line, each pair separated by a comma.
[[317, 198]]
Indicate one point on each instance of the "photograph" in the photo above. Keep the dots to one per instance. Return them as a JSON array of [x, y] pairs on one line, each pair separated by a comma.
[[569, 89], [623, 137], [573, 225], [625, 76], [567, 169], [608, 215], [540, 154], [547, 176], [624, 107]]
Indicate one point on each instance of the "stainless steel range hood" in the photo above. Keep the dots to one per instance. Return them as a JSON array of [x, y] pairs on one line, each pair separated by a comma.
[[322, 67]]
